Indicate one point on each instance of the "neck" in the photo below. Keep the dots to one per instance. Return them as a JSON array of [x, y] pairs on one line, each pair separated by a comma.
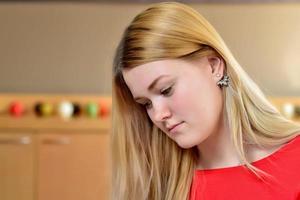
[[218, 151]]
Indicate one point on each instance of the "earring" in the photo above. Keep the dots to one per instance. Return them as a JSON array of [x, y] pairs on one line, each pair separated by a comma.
[[224, 81]]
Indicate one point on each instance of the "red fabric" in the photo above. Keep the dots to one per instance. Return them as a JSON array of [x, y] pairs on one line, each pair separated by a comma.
[[238, 183]]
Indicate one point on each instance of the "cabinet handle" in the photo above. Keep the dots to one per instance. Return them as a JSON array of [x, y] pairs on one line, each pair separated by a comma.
[[57, 141], [22, 140]]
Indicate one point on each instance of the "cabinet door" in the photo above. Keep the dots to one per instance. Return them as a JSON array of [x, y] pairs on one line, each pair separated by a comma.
[[73, 166], [16, 166]]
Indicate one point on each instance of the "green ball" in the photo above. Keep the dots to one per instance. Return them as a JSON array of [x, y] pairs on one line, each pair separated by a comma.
[[92, 110]]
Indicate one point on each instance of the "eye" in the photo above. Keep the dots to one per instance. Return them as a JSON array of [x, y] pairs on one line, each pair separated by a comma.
[[167, 92], [147, 105]]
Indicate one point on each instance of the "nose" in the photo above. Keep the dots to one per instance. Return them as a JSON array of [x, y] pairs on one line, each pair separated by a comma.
[[161, 112]]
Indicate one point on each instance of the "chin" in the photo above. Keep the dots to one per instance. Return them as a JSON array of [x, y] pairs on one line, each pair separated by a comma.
[[185, 145]]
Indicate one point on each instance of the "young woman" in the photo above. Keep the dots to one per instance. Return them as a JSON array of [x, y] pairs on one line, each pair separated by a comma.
[[189, 123]]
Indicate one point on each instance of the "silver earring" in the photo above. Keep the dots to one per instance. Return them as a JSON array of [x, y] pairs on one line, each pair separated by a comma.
[[224, 81]]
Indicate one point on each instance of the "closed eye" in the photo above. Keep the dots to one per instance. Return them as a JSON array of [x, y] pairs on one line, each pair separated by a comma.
[[167, 92], [147, 105]]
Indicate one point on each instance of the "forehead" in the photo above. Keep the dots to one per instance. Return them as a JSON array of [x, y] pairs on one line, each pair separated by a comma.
[[152, 69], [143, 75]]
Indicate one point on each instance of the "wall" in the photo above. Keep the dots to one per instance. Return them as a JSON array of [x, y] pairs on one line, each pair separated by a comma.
[[68, 47]]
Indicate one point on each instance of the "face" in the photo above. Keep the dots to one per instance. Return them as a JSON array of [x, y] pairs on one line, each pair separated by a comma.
[[181, 97]]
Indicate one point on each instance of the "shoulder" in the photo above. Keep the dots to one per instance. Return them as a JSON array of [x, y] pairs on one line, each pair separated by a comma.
[[288, 159], [290, 151], [258, 155], [282, 159], [293, 145]]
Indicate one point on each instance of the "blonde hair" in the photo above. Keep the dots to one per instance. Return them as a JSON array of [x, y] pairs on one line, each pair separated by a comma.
[[146, 163]]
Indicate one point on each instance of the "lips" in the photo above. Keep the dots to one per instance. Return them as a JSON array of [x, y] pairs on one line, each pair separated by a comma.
[[173, 126]]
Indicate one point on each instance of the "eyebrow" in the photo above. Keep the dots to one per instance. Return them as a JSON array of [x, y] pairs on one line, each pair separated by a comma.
[[152, 85]]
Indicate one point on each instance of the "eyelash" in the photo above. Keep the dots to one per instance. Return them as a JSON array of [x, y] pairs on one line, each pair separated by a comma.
[[166, 92]]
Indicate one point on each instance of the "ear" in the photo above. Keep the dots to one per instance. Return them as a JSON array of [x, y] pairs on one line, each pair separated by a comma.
[[217, 65]]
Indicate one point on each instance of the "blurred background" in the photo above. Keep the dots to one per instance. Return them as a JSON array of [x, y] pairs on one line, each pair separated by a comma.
[[55, 83]]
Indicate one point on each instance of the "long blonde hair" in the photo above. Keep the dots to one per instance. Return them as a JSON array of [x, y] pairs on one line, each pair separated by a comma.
[[146, 163]]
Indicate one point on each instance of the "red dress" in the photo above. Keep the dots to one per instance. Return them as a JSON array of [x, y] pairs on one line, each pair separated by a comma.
[[238, 183]]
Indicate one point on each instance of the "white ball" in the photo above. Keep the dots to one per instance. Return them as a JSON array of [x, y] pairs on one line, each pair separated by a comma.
[[288, 110], [66, 109]]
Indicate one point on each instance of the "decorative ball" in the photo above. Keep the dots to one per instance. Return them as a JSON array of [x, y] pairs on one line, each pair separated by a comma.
[[77, 110], [104, 109], [38, 108], [47, 109], [92, 110], [16, 109], [288, 110], [43, 109], [297, 111], [66, 109]]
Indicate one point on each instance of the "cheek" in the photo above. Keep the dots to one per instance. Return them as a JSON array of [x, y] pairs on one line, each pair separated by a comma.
[[188, 98], [198, 103]]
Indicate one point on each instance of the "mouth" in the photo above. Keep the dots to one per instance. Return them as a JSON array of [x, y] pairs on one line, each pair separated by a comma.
[[174, 127]]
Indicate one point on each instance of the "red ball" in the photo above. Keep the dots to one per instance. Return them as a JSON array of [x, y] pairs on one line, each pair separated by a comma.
[[16, 109]]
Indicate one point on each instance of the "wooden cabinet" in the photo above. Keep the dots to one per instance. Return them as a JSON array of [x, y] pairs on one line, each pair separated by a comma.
[[73, 166], [50, 158], [16, 166], [54, 166]]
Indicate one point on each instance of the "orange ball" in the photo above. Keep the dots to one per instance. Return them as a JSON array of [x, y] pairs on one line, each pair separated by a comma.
[[104, 109]]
